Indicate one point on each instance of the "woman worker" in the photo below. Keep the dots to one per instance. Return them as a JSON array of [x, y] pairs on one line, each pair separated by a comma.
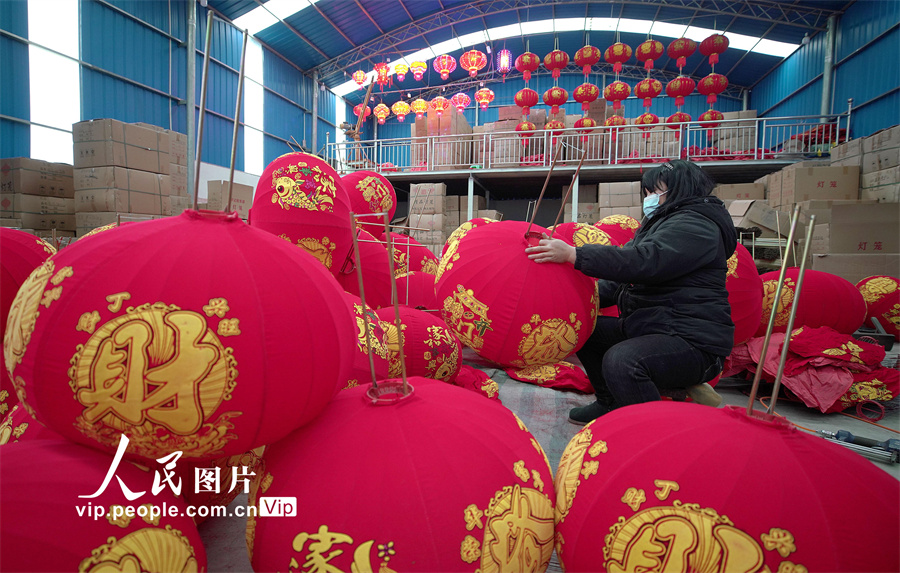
[[674, 327]]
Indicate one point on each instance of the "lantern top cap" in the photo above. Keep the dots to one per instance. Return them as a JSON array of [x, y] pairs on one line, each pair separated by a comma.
[[388, 392]]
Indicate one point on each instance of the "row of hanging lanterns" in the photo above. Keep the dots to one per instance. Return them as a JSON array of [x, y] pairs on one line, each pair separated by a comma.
[[461, 100]]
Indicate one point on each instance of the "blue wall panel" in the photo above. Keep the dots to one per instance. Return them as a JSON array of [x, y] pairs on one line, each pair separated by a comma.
[[281, 77], [154, 12], [14, 17], [15, 139], [14, 96], [872, 79], [805, 64], [861, 23], [131, 104], [273, 148], [282, 118]]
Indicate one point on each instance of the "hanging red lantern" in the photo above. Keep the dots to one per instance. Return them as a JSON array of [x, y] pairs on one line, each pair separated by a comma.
[[882, 296], [587, 57], [439, 104], [680, 50], [381, 112], [555, 127], [416, 290], [473, 61], [361, 372], [460, 101], [401, 70], [585, 125], [418, 69], [513, 323], [585, 94], [504, 62], [648, 52], [382, 75], [526, 98], [620, 228], [410, 255], [526, 129], [484, 97], [617, 54], [430, 348], [615, 121], [665, 503], [444, 65], [711, 85], [556, 61], [555, 97], [359, 77], [527, 63], [680, 88], [369, 193], [710, 118], [358, 109], [745, 294], [420, 106], [678, 117], [646, 121], [401, 109], [503, 520], [647, 89], [617, 92], [713, 46], [376, 272]]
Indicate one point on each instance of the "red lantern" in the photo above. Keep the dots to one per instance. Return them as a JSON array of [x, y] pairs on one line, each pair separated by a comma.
[[526, 99], [680, 50], [526, 129], [420, 106], [401, 109], [580, 234], [361, 372], [198, 379], [444, 65], [617, 54], [584, 126], [617, 92], [615, 121], [555, 127], [587, 57], [882, 296], [825, 300], [501, 520], [430, 349], [678, 117], [416, 290], [680, 88], [473, 60], [556, 61], [710, 118], [370, 192], [646, 121], [513, 323], [410, 255], [555, 97], [418, 69], [745, 294], [484, 97], [711, 85], [401, 70], [376, 272], [381, 112], [647, 89], [630, 496], [382, 75], [504, 62], [527, 63], [460, 101], [713, 46], [648, 52], [359, 77], [439, 104], [358, 109], [452, 243], [300, 198], [585, 94], [620, 228]]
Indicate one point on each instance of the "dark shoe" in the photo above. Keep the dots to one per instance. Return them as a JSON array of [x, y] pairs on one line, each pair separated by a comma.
[[585, 414], [704, 394]]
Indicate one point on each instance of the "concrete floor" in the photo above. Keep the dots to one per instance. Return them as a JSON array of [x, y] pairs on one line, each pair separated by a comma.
[[544, 412]]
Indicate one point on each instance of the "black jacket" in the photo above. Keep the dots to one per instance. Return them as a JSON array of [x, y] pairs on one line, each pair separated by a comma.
[[670, 279]]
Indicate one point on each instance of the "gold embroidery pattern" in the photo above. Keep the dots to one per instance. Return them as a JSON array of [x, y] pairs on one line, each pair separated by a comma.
[[8, 434], [121, 521], [537, 481], [623, 221], [23, 315], [377, 345], [589, 235], [518, 531], [303, 187], [783, 309], [401, 266], [148, 549], [873, 389], [851, 349], [732, 264], [634, 498], [779, 540], [473, 517], [547, 341], [490, 388], [321, 550], [568, 471], [87, 322], [590, 468], [429, 265], [217, 306], [100, 229], [540, 373], [520, 471], [375, 194], [788, 567], [470, 550], [48, 248], [666, 487], [392, 342], [443, 360], [450, 255], [598, 448], [467, 316], [878, 287]]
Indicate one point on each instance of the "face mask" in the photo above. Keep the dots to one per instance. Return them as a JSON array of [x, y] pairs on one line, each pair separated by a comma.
[[651, 203]]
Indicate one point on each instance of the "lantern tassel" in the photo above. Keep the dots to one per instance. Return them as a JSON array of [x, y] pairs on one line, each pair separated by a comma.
[[527, 75], [586, 70], [647, 102], [713, 59], [617, 67], [617, 104], [679, 101], [681, 62], [555, 73], [648, 64], [585, 106], [711, 99]]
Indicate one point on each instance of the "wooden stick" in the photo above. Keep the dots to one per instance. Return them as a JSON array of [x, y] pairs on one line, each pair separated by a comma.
[[237, 121], [571, 183], [544, 188], [209, 23], [390, 249], [362, 297]]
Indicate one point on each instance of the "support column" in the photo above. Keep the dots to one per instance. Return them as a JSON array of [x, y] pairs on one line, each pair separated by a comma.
[[828, 72], [471, 198], [574, 199], [315, 113], [191, 83]]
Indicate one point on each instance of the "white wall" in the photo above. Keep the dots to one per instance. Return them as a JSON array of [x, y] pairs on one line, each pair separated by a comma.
[[209, 172]]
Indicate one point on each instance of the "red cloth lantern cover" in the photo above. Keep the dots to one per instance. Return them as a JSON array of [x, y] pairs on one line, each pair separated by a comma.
[[556, 61], [418, 69], [376, 271], [382, 112], [648, 88], [301, 199], [882, 385], [617, 54], [710, 119], [410, 255], [204, 347], [585, 94], [680, 50], [359, 77], [616, 92], [477, 381], [360, 373], [825, 300], [631, 495], [420, 106], [648, 52], [745, 294], [370, 192], [504, 62], [416, 290], [484, 97], [513, 322], [526, 98], [562, 376], [439, 104], [587, 57], [882, 296], [430, 348], [358, 109], [580, 234], [452, 242], [460, 101], [41, 483], [473, 61], [20, 253], [19, 425], [482, 503], [401, 71], [713, 46], [382, 74], [680, 88], [555, 97], [527, 63], [401, 109], [711, 85], [444, 65], [678, 117], [620, 228]]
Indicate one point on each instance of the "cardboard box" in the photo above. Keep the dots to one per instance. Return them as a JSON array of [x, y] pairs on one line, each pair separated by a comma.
[[451, 203], [11, 204], [882, 193], [884, 177], [177, 204], [587, 213], [451, 221], [822, 209], [177, 143], [757, 213], [47, 221], [880, 160], [865, 228], [489, 214], [509, 112], [122, 200], [122, 190], [241, 197], [852, 148], [87, 220], [884, 139], [427, 198], [35, 177], [740, 191], [855, 267], [819, 183], [619, 194], [427, 222], [105, 142], [586, 193], [478, 203], [178, 183], [820, 239], [428, 237], [773, 189], [854, 161]]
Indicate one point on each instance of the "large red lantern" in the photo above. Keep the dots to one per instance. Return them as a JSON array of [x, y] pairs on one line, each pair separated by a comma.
[[527, 63], [513, 322], [585, 125], [647, 89], [473, 61], [204, 347], [444, 65], [680, 88], [825, 300], [713, 46], [419, 106], [452, 242], [381, 112], [410, 255], [439, 104], [882, 296], [401, 109], [360, 373], [382, 75], [376, 272], [585, 94], [359, 77], [430, 348], [484, 97], [300, 198], [648, 52], [482, 503], [526, 98], [617, 92], [587, 57], [632, 497], [42, 481], [401, 71], [620, 228], [680, 50], [580, 234], [556, 61], [712, 85], [358, 110], [745, 294], [416, 290], [617, 54], [369, 193], [555, 97], [418, 69], [460, 101]]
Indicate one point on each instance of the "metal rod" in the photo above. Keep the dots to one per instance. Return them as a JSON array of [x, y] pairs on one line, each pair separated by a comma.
[[793, 314], [398, 324], [544, 188], [209, 22], [300, 147], [237, 121], [571, 183], [362, 296], [777, 297]]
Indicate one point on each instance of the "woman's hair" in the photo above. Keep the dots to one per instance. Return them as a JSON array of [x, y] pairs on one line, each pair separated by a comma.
[[683, 179]]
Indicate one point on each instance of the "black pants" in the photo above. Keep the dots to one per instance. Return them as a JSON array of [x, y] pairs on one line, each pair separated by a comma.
[[633, 370]]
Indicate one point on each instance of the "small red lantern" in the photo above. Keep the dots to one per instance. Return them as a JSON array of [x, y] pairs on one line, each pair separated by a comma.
[[370, 192], [616, 92], [444, 65], [420, 106], [681, 49], [504, 62], [376, 271], [359, 77], [430, 348], [401, 70], [358, 109], [615, 121], [381, 112], [710, 118], [555, 127], [587, 57], [484, 97], [585, 94], [713, 46], [555, 97], [411, 256], [526, 98], [382, 75], [617, 54], [527, 63], [585, 125], [416, 290], [648, 52], [460, 101], [556, 61], [440, 104], [526, 129], [648, 88], [678, 117], [418, 69], [882, 296], [711, 85], [473, 61], [400, 109], [646, 121], [680, 88]]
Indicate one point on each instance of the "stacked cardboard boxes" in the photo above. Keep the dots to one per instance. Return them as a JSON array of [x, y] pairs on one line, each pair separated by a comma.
[[426, 214], [737, 136], [740, 191], [241, 198], [179, 196], [880, 166], [810, 181], [37, 196], [861, 241]]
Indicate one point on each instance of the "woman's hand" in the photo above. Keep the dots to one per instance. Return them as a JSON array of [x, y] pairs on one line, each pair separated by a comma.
[[551, 251]]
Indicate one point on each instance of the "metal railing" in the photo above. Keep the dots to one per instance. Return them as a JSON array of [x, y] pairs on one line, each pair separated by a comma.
[[749, 139]]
